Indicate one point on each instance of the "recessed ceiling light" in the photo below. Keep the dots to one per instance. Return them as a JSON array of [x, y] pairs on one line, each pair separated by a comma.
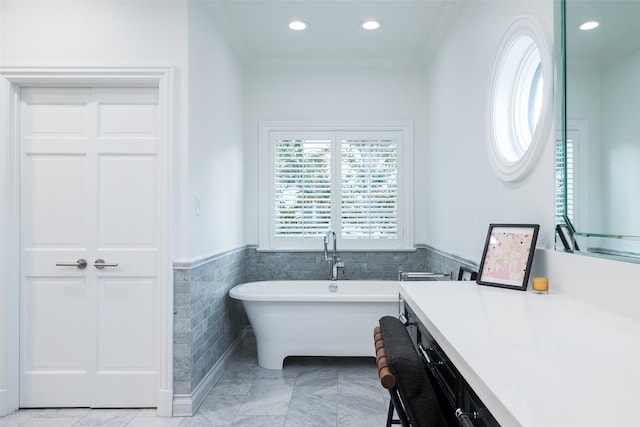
[[589, 25], [370, 25], [298, 25]]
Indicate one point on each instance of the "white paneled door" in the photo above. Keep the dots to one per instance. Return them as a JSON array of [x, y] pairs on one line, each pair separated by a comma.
[[90, 206]]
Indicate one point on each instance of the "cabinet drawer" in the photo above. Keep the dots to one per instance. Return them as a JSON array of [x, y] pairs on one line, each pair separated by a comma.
[[475, 409], [457, 399], [439, 364]]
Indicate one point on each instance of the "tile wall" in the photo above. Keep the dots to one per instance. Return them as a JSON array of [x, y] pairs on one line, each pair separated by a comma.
[[206, 321]]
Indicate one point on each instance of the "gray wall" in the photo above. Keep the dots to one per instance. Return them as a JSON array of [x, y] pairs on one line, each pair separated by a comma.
[[206, 321]]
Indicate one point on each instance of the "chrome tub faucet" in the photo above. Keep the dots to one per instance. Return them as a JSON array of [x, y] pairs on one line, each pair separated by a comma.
[[333, 262]]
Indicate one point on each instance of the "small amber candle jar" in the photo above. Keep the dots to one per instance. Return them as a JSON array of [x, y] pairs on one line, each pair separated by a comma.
[[540, 285]]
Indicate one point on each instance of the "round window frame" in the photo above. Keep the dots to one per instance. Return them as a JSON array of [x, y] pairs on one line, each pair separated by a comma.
[[508, 170]]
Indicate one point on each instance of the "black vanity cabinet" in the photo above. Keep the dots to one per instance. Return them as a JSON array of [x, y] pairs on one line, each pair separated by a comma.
[[460, 404]]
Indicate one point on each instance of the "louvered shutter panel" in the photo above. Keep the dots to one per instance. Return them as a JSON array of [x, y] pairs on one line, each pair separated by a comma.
[[570, 158], [560, 181], [564, 170], [302, 188], [564, 155], [369, 189]]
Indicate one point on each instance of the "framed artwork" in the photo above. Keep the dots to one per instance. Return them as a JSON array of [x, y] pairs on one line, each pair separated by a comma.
[[467, 275], [566, 236], [508, 255]]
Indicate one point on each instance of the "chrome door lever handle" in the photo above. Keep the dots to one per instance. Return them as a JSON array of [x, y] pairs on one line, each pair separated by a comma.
[[100, 264], [81, 264]]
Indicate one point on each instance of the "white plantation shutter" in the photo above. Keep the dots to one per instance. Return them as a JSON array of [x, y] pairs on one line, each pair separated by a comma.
[[355, 181], [302, 181], [560, 181], [570, 189], [369, 189], [565, 172]]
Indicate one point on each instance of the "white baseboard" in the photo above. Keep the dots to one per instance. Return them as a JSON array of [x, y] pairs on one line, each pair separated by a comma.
[[165, 403], [185, 405]]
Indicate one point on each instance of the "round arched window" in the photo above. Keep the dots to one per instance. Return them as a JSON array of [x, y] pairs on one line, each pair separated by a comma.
[[520, 109]]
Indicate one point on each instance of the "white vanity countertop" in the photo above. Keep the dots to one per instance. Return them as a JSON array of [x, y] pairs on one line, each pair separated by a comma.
[[535, 360]]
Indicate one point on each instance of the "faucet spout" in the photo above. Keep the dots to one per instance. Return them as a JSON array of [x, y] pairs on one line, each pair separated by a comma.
[[326, 245]]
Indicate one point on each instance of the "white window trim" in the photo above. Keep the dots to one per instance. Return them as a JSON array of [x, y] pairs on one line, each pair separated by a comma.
[[507, 170], [405, 184], [581, 174]]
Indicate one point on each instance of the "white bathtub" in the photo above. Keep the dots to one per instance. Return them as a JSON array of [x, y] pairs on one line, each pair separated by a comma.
[[304, 318]]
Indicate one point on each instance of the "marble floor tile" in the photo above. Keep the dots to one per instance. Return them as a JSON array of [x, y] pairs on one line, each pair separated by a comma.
[[268, 396], [18, 418], [64, 412], [359, 397], [363, 421], [317, 377], [259, 421], [221, 407], [199, 420], [234, 384], [51, 422], [106, 418], [313, 409], [144, 421], [308, 392]]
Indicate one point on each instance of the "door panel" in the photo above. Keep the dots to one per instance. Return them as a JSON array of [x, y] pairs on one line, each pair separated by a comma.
[[120, 301], [55, 341], [55, 215], [55, 329], [118, 120], [125, 188], [90, 190]]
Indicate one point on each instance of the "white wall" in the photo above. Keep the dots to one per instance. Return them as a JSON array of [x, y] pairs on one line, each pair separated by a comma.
[[332, 93], [456, 192], [99, 33], [606, 95], [584, 89], [621, 144], [464, 194], [105, 34], [216, 146], [208, 131]]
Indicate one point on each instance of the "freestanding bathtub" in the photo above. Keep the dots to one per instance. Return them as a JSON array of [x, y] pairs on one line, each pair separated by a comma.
[[315, 318]]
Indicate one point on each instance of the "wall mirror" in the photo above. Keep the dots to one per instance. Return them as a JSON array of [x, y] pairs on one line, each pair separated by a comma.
[[598, 140]]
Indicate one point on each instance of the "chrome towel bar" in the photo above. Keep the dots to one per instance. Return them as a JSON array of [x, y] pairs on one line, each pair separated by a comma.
[[404, 275]]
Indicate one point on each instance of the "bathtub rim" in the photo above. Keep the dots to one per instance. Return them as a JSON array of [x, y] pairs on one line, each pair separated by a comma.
[[390, 293]]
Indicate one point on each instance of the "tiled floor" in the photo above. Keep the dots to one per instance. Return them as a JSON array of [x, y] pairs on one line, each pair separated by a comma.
[[308, 392]]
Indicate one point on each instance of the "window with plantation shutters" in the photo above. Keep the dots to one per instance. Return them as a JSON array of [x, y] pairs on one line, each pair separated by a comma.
[[302, 193], [353, 180], [561, 185], [369, 188], [571, 168]]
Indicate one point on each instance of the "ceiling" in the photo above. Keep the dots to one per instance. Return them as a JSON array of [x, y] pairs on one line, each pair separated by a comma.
[[618, 32], [258, 29]]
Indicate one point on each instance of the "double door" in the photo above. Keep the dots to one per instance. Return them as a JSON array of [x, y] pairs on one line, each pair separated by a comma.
[[89, 282]]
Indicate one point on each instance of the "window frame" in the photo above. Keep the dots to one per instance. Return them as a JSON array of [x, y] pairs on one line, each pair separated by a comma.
[[512, 73], [266, 186]]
